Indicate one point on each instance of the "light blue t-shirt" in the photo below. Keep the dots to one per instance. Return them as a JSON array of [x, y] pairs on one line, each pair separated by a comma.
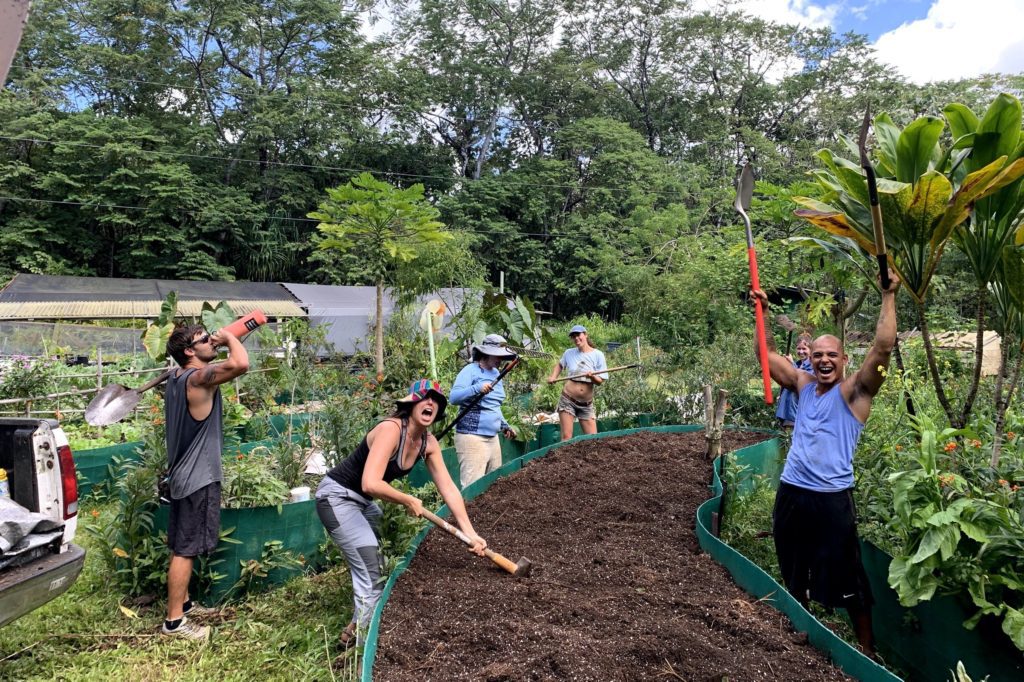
[[824, 438], [576, 362], [485, 419]]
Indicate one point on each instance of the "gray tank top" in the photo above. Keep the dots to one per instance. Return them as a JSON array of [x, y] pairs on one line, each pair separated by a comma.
[[193, 446]]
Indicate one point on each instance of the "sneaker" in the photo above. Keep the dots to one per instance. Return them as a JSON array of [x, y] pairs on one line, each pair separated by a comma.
[[198, 610], [187, 629]]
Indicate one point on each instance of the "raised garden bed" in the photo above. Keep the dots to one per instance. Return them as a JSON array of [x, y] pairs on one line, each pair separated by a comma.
[[620, 587]]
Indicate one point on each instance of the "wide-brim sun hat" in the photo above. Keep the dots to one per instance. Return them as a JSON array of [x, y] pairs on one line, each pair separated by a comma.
[[494, 345], [422, 389]]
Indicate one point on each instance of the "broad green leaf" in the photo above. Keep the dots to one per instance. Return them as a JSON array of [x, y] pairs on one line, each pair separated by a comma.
[[917, 147], [832, 221], [168, 309], [887, 136], [1013, 625], [961, 120], [1002, 122]]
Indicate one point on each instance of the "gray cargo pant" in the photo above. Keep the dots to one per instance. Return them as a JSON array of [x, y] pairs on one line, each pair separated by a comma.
[[353, 522]]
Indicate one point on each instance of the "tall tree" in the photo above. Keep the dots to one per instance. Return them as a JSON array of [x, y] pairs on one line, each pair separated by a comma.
[[385, 224]]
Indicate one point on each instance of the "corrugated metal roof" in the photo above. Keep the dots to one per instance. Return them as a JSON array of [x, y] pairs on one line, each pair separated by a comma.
[[68, 310]]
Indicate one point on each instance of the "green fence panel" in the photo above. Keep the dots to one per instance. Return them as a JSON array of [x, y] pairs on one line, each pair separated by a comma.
[[297, 526], [926, 641], [93, 466], [757, 460], [747, 575]]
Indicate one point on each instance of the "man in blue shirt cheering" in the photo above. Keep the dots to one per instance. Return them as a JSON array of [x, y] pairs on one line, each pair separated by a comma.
[[814, 521]]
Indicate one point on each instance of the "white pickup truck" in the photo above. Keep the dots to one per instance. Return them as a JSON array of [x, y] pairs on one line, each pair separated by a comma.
[[37, 523]]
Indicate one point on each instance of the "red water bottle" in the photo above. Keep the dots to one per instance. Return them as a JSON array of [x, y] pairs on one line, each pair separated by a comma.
[[243, 325]]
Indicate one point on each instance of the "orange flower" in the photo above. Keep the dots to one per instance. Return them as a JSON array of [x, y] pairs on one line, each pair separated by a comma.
[[975, 443], [1011, 435], [241, 456], [899, 448], [1003, 481], [950, 446], [946, 480], [94, 513]]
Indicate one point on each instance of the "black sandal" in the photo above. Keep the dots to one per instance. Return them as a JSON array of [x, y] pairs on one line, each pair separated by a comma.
[[347, 638]]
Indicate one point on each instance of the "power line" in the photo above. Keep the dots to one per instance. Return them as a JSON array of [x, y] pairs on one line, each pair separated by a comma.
[[309, 166], [269, 218]]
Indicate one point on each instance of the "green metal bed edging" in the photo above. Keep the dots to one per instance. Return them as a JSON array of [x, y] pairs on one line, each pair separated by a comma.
[[746, 574], [764, 458]]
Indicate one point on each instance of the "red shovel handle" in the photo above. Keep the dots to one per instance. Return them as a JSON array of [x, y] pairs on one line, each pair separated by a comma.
[[762, 343]]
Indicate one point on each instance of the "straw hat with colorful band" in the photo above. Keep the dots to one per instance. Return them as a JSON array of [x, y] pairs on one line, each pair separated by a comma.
[[422, 389], [493, 344]]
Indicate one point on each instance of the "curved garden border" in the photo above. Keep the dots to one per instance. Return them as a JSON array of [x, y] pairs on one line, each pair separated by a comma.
[[745, 573]]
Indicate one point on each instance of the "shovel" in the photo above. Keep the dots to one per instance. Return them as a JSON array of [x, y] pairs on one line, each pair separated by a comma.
[[114, 402], [744, 193], [520, 568]]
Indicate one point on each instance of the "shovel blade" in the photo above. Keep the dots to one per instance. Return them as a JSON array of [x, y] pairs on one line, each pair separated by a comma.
[[111, 404]]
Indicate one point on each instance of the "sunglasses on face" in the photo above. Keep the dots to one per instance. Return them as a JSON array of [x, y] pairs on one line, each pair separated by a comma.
[[205, 338]]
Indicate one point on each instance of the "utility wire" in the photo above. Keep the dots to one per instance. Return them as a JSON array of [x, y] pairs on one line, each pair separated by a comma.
[[309, 166], [281, 218]]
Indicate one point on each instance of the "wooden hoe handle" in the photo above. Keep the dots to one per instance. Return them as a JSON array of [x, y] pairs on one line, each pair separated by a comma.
[[498, 559]]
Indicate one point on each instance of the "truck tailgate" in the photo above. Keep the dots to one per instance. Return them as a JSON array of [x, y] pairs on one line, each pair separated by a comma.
[[27, 587]]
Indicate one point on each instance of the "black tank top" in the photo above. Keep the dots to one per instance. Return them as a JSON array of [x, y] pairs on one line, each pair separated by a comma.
[[349, 472]]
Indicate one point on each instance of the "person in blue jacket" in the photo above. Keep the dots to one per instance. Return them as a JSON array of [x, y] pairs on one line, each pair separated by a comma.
[[786, 411], [476, 434]]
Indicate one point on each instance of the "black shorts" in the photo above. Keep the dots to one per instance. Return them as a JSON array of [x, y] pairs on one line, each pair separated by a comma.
[[816, 543], [194, 525]]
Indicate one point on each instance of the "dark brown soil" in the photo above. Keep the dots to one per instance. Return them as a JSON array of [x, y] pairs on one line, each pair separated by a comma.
[[620, 590]]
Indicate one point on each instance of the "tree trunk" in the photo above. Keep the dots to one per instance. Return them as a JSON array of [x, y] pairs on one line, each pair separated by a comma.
[[933, 367], [979, 351], [1003, 403], [378, 333], [908, 399]]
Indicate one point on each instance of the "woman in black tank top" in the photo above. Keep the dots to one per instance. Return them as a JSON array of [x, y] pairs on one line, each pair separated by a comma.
[[388, 452]]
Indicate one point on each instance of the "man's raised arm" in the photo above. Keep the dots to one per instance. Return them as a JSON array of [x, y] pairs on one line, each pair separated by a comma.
[[870, 376], [218, 373], [782, 370]]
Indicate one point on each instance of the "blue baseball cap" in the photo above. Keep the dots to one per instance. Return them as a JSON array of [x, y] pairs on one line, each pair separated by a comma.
[[578, 329]]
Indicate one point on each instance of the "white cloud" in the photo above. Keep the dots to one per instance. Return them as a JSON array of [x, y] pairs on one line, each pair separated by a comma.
[[957, 39]]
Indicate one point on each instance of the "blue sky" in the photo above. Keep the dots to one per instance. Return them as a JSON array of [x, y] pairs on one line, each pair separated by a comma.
[[924, 40], [876, 17]]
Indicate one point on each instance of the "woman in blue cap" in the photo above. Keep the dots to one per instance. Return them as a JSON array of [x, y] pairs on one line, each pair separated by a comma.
[[577, 399], [345, 497], [476, 434]]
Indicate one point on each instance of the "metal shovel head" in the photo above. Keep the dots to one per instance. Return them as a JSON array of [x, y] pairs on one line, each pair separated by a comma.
[[112, 404], [744, 189]]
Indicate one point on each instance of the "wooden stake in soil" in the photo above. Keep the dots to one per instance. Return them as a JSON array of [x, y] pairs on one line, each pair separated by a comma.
[[714, 416]]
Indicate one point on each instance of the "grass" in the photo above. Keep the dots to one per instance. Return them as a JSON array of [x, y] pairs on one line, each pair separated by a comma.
[[288, 633]]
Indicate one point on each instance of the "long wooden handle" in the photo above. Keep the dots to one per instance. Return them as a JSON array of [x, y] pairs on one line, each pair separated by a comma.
[[155, 382], [877, 224], [498, 559], [762, 342], [603, 371]]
